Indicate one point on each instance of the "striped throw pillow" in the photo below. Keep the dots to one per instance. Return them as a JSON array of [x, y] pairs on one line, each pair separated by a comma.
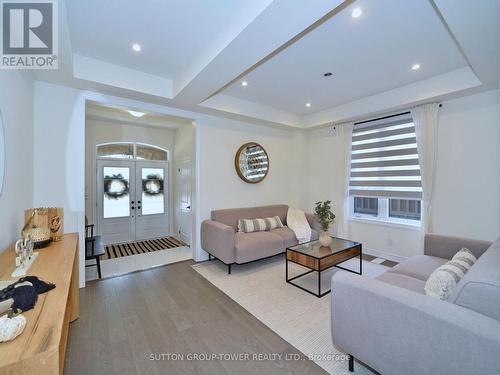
[[444, 279], [258, 225]]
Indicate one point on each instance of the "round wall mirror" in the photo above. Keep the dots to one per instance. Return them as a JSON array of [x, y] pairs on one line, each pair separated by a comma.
[[252, 163], [2, 154]]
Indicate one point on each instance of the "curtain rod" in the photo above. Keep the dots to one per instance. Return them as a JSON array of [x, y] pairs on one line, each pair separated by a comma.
[[386, 117]]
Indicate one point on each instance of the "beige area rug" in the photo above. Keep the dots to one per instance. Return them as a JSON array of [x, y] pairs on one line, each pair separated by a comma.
[[301, 319]]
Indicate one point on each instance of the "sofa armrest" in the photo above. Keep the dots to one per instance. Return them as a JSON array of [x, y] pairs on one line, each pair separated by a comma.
[[398, 331], [447, 246], [218, 240], [313, 223]]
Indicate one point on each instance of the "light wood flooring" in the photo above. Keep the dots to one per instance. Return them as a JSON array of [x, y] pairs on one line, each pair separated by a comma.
[[170, 309]]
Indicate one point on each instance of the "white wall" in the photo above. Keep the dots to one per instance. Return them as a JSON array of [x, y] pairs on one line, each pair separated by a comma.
[[467, 192], [466, 197], [184, 150], [16, 107], [98, 131], [220, 186], [59, 155]]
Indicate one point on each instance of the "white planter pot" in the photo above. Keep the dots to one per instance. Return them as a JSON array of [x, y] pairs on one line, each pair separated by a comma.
[[324, 238]]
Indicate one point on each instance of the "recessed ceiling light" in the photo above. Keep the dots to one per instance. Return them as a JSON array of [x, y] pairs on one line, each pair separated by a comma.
[[136, 47], [415, 67], [136, 113], [356, 13], [327, 74], [244, 83], [308, 105]]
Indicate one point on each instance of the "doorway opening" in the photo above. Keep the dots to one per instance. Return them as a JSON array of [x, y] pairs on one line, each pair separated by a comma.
[[138, 188], [133, 185]]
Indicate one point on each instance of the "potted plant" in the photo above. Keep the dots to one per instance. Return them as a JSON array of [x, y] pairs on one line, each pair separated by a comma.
[[325, 217]]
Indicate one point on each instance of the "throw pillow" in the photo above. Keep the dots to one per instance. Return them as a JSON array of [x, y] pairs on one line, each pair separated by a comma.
[[258, 225], [444, 279], [466, 257]]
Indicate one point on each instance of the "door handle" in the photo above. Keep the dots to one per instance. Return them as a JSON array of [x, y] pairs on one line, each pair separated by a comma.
[[188, 207]]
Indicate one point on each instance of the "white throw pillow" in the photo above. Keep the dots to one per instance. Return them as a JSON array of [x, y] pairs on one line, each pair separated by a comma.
[[444, 279], [259, 225]]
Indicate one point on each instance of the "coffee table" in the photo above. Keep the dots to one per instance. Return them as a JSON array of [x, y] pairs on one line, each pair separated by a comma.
[[320, 258]]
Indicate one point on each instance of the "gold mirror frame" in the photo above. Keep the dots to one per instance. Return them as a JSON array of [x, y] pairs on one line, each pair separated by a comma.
[[237, 165]]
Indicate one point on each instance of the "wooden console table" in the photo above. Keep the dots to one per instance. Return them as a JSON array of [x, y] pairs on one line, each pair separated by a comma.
[[41, 347]]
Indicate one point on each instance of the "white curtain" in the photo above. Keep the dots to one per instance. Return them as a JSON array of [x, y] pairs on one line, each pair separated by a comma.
[[344, 134], [425, 118]]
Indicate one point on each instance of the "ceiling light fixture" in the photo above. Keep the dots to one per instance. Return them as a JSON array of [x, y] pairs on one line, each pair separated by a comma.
[[356, 13], [136, 47], [308, 105], [136, 113], [415, 67], [244, 83]]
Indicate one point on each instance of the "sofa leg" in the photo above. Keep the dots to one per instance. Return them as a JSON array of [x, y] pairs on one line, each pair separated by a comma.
[[351, 363], [209, 256], [229, 269]]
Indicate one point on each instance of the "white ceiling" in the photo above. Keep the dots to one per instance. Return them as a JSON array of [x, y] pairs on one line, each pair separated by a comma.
[[172, 33], [195, 54], [368, 55], [113, 113]]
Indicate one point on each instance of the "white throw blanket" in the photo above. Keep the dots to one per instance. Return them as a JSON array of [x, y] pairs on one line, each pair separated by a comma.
[[296, 221]]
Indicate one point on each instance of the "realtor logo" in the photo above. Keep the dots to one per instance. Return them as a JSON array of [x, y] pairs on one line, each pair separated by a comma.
[[29, 34]]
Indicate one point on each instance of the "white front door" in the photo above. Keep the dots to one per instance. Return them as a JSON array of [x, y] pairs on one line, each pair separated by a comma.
[[116, 200], [184, 188], [152, 220], [132, 200]]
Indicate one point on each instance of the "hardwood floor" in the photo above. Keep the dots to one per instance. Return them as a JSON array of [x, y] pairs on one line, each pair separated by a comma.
[[170, 310]]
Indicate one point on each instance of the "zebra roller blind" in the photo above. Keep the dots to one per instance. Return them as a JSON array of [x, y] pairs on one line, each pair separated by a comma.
[[384, 159]]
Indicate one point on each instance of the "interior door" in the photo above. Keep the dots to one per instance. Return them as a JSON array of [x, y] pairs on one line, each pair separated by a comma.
[[116, 200], [152, 195], [184, 189]]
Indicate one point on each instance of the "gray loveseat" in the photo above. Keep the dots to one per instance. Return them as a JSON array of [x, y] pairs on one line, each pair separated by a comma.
[[389, 323], [220, 237]]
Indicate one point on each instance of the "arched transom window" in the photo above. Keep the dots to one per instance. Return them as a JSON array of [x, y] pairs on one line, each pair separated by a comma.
[[128, 150]]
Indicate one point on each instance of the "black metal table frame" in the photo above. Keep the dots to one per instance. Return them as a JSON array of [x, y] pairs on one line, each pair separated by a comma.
[[319, 294]]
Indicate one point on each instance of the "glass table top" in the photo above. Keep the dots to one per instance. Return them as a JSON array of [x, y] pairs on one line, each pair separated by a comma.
[[315, 250]]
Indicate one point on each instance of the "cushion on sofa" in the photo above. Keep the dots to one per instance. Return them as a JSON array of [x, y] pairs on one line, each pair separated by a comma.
[[443, 281], [403, 281], [479, 289], [259, 224], [230, 216], [287, 235], [257, 245], [419, 266]]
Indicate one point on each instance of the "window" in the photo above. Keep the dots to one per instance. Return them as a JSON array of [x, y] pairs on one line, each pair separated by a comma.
[[385, 183], [405, 209], [366, 206], [116, 151], [123, 150]]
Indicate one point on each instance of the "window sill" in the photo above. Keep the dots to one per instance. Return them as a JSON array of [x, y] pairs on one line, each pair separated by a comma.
[[364, 220]]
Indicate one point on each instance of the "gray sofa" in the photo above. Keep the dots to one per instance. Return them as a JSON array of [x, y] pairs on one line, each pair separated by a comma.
[[220, 237], [389, 324]]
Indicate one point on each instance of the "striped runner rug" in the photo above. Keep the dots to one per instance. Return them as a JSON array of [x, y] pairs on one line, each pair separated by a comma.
[[140, 247]]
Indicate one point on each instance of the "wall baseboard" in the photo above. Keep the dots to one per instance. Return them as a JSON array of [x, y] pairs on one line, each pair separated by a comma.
[[381, 254]]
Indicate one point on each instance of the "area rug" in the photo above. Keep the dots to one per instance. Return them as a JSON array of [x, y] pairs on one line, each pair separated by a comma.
[[140, 247], [301, 319]]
